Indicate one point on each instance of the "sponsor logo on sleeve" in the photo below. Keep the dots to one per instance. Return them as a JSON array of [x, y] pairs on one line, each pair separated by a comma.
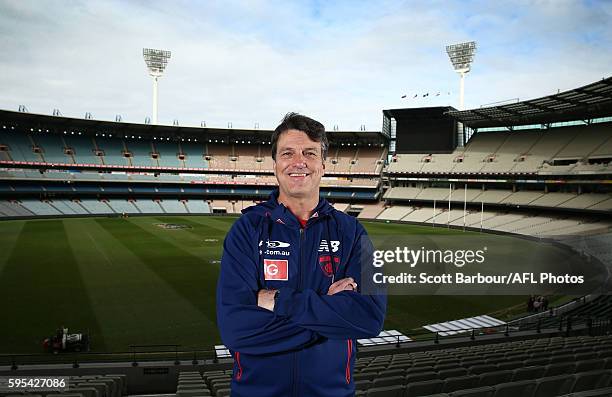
[[276, 269]]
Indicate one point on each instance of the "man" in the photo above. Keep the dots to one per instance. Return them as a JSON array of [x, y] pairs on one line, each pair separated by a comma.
[[289, 305]]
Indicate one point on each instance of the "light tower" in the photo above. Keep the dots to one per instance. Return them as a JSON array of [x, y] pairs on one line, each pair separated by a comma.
[[156, 61], [461, 56]]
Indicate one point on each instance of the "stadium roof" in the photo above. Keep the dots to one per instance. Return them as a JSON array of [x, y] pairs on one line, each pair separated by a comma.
[[588, 102], [60, 123]]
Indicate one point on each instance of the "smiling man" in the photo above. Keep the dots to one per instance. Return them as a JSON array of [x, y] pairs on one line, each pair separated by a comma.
[[289, 305]]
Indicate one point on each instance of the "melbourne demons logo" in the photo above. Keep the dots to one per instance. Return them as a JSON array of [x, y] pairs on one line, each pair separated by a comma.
[[329, 264], [276, 269]]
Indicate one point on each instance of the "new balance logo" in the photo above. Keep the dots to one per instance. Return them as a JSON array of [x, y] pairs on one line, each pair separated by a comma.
[[325, 246]]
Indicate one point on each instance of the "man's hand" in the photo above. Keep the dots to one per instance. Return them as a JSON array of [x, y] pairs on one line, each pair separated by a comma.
[[265, 298], [345, 284]]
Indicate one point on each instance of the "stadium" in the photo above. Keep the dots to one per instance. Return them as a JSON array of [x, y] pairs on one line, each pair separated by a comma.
[[111, 237]]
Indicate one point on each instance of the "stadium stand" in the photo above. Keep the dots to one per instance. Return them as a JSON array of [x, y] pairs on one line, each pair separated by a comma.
[[148, 206], [113, 151], [395, 213], [96, 207], [585, 201], [197, 207], [38, 207], [123, 206], [521, 152], [173, 206], [140, 153], [368, 211], [82, 149]]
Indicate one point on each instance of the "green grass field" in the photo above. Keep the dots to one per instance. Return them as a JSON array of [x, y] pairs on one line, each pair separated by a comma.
[[129, 281]]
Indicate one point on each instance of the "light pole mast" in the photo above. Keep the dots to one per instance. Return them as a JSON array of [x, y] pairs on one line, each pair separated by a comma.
[[461, 56], [156, 61]]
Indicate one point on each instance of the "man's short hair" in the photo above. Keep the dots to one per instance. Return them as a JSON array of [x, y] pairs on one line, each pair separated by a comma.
[[311, 127]]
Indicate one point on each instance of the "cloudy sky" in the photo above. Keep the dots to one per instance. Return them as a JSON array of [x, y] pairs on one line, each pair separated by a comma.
[[249, 62]]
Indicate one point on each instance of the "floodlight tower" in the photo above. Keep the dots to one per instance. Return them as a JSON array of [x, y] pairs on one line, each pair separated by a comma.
[[156, 61], [461, 56]]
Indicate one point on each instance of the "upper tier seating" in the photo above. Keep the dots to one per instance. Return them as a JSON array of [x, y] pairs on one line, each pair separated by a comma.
[[134, 152]]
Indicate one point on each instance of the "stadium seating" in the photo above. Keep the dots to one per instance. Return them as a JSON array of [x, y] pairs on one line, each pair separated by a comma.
[[173, 206], [52, 148], [519, 152], [197, 207], [13, 208], [83, 149], [148, 206], [593, 201], [96, 207], [498, 369], [395, 213], [369, 211], [141, 153], [113, 150]]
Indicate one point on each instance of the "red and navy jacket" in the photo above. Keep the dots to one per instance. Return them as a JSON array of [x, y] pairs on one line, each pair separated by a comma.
[[306, 346]]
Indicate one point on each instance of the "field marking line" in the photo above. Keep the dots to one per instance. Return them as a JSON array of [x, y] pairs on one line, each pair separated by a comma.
[[108, 260]]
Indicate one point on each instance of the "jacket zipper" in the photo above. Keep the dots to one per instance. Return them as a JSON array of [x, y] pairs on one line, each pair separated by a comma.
[[295, 354], [349, 345], [239, 373]]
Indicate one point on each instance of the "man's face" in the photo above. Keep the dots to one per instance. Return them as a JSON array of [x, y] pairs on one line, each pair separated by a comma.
[[299, 165]]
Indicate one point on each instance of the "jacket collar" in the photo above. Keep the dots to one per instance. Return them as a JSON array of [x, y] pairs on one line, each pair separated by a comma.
[[280, 214]]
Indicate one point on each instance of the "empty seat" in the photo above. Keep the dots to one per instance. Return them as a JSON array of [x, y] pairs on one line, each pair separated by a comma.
[[585, 356], [101, 387], [604, 392], [365, 376], [564, 358], [515, 389], [193, 393], [531, 372], [85, 391], [449, 373], [424, 388], [392, 372], [363, 384], [510, 365], [420, 368], [591, 380], [375, 368], [482, 368], [537, 361], [559, 369], [224, 392], [460, 382], [421, 376], [589, 365], [191, 387], [388, 381], [486, 391], [496, 377], [553, 386], [387, 391], [445, 366]]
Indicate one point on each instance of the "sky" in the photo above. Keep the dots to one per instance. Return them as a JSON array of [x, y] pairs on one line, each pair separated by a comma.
[[248, 62]]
